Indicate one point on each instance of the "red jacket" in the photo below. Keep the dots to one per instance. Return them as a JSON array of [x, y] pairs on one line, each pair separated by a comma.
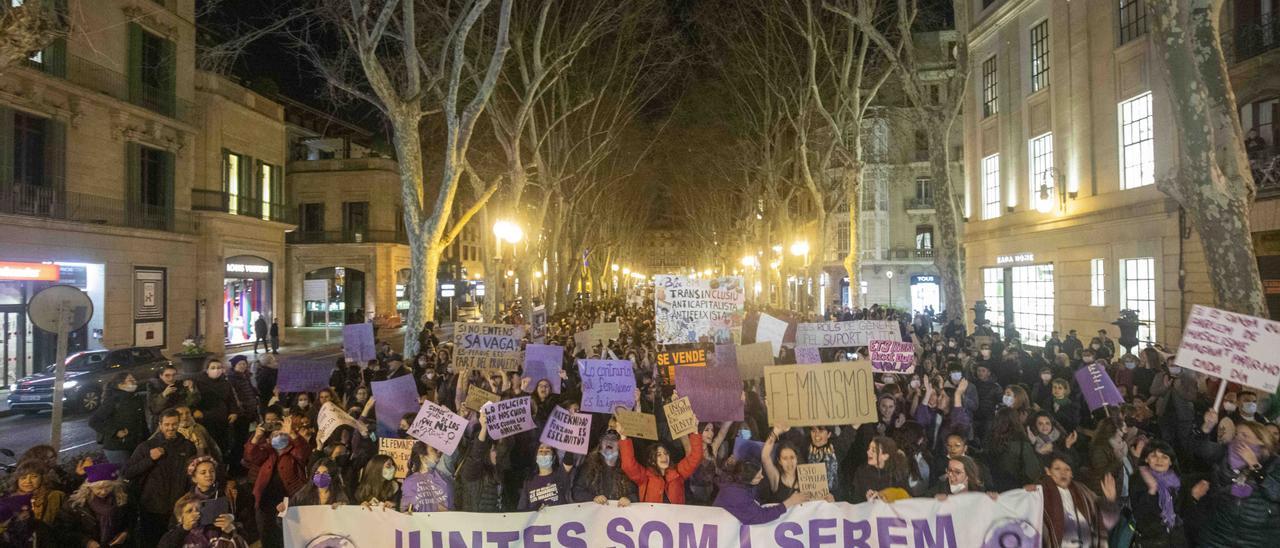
[[649, 484], [292, 464]]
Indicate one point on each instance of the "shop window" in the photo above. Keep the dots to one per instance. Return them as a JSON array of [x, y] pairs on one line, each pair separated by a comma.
[[993, 293], [1033, 302], [1138, 292]]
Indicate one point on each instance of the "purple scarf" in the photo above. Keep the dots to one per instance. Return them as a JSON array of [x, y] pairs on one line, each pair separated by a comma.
[[1240, 489], [1167, 483]]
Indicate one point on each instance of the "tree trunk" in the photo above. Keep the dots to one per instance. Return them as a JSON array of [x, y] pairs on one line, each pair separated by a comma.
[[422, 273], [946, 244], [853, 200]]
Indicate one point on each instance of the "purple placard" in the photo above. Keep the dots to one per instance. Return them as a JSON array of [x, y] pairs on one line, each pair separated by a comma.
[[567, 430], [303, 376], [508, 417], [543, 361], [607, 385], [357, 343], [807, 355], [426, 492], [715, 393], [1097, 387], [438, 427], [892, 356], [726, 355], [393, 399], [744, 449]]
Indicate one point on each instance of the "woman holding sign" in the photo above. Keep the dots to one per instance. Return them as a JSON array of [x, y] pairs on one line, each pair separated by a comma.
[[656, 480], [781, 470]]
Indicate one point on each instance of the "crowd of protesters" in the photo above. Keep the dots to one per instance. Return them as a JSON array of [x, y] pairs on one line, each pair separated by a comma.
[[212, 460]]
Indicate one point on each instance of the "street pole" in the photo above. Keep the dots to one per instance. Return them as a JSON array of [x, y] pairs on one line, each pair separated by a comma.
[[60, 378]]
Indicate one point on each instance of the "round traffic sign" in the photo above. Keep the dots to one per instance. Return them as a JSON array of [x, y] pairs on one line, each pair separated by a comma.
[[46, 306]]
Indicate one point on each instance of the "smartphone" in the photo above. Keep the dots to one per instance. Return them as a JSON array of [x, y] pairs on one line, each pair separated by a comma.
[[211, 509]]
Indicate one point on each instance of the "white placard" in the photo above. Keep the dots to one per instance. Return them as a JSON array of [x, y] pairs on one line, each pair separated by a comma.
[[843, 334], [1236, 347]]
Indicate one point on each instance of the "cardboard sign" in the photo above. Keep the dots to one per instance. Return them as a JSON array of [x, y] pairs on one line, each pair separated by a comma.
[[808, 354], [1239, 348], [438, 427], [305, 376], [753, 358], [393, 399], [606, 385], [543, 361], [538, 323], [400, 450], [638, 425], [846, 334], [487, 346], [1097, 387], [477, 397], [680, 418], [567, 431], [600, 333], [771, 330], [892, 356], [357, 343], [688, 310], [812, 479], [330, 418], [426, 492], [822, 394], [508, 417], [714, 392]]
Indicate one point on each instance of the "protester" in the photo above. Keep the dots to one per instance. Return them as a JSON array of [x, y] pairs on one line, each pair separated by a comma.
[[738, 496], [157, 470], [120, 421], [1244, 487], [215, 407], [656, 480], [281, 461], [1074, 515], [187, 532], [32, 479], [99, 513]]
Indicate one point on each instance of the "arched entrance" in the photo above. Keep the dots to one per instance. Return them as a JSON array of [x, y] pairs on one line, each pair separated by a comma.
[[346, 297], [246, 296]]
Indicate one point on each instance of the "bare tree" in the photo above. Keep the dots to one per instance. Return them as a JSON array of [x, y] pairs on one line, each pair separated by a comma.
[[26, 29], [412, 60]]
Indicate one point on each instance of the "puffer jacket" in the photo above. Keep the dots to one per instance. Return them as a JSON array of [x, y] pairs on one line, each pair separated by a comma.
[[1249, 521], [481, 484], [120, 410], [650, 486], [246, 396]]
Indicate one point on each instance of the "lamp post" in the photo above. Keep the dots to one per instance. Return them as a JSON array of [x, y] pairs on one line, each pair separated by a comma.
[[889, 275], [509, 232], [801, 249]]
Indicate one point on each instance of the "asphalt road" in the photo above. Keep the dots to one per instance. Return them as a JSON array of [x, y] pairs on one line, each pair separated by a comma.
[[19, 432]]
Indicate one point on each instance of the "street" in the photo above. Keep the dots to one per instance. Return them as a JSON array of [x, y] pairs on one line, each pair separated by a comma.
[[23, 431]]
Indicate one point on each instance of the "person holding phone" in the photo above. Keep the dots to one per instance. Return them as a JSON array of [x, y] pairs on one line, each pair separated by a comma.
[[199, 522]]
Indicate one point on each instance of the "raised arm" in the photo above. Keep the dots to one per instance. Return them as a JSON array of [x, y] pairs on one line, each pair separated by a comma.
[[766, 457]]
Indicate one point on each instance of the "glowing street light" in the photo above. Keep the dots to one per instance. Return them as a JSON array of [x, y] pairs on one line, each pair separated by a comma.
[[508, 231], [615, 267], [626, 271], [749, 261], [800, 248]]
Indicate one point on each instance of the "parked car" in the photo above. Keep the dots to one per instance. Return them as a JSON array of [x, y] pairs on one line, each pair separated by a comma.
[[87, 373]]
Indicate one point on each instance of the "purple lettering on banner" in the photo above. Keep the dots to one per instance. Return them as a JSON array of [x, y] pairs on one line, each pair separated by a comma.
[[566, 540], [393, 399], [857, 534], [357, 343], [946, 532], [715, 393], [649, 528], [306, 376], [543, 361], [606, 385], [503, 538], [1097, 388], [816, 536], [618, 530], [807, 354], [689, 536], [884, 531], [531, 534], [784, 531]]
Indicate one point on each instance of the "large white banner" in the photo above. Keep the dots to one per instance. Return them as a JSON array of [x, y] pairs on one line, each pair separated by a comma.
[[841, 334], [1235, 347], [687, 309], [961, 521]]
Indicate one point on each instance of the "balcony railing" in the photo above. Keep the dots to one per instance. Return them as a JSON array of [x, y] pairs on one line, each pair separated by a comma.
[[924, 253], [920, 203], [1251, 39], [82, 72], [347, 237], [1265, 164], [216, 200], [49, 202]]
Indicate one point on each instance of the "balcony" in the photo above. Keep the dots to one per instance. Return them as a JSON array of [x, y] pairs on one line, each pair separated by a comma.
[[347, 237], [49, 202], [85, 73], [222, 202], [924, 253], [920, 204], [1265, 164], [1251, 39]]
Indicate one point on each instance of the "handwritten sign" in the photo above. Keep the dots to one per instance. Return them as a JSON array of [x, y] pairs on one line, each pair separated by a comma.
[[567, 431], [357, 343], [600, 333], [813, 480], [538, 323], [892, 356], [543, 361], [638, 425], [477, 397], [844, 334], [1238, 348], [438, 427], [394, 398], [426, 492], [714, 392], [508, 417], [808, 354], [606, 385], [400, 450], [688, 310], [1097, 387], [772, 331], [486, 346], [304, 376], [823, 394], [330, 418], [753, 358], [680, 418]]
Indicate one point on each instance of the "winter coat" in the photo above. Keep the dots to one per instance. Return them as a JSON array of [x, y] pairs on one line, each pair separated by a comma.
[[739, 500], [1013, 464], [246, 396], [481, 484], [291, 464], [157, 402], [161, 482], [652, 487], [120, 410], [595, 478], [217, 400], [1148, 523], [1249, 521], [78, 524]]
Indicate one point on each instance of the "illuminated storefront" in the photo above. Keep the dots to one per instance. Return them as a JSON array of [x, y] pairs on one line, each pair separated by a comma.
[[246, 296]]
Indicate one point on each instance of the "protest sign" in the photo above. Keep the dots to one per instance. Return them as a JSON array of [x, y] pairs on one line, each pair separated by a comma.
[[1097, 387], [357, 343], [486, 346], [538, 324], [438, 427], [607, 384], [426, 492], [399, 449], [714, 392], [892, 356], [753, 358], [304, 376], [392, 399], [567, 430], [968, 520], [543, 361], [1235, 347], [822, 394], [508, 417], [638, 425], [772, 331], [477, 397], [808, 354], [600, 333], [691, 355], [813, 480], [843, 334], [686, 310], [745, 449], [680, 418], [330, 418]]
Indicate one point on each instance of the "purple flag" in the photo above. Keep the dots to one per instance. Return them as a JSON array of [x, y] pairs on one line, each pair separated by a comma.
[[1097, 387], [714, 392], [394, 399], [543, 361], [304, 376]]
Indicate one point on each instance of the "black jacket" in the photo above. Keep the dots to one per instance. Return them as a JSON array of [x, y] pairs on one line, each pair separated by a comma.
[[120, 410], [77, 524], [217, 399], [161, 482]]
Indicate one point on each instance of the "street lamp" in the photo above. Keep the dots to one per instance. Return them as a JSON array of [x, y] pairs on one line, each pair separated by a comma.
[[889, 274], [800, 248], [508, 231], [749, 261], [614, 267]]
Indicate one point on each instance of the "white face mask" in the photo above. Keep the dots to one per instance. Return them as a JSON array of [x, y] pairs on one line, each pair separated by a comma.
[[915, 383], [1007, 400], [956, 376], [1249, 408], [958, 488], [1095, 346], [388, 474], [1046, 378]]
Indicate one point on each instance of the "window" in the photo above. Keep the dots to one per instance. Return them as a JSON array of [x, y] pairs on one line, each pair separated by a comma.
[[842, 237], [993, 292], [271, 191], [150, 179], [152, 70], [28, 149], [922, 146], [1033, 302], [233, 184], [924, 190], [1133, 19], [355, 219], [1040, 56], [990, 96], [1138, 292], [1042, 184], [1097, 282], [1259, 116], [311, 218], [924, 236], [1137, 144], [991, 186]]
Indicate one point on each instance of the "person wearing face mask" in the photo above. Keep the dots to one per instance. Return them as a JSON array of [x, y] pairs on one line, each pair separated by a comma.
[[216, 407], [1042, 389], [600, 479], [325, 487], [1175, 393], [281, 460], [157, 471], [1124, 375], [547, 483], [245, 411], [121, 420], [1244, 490], [961, 476], [429, 486], [165, 391]]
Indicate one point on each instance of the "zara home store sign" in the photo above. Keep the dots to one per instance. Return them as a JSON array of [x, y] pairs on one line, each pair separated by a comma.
[[1016, 258]]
